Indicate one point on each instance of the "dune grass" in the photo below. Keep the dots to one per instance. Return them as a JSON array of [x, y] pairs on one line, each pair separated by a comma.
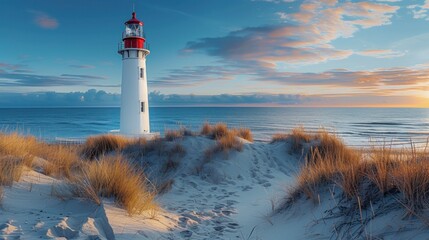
[[109, 176], [297, 138], [171, 135], [114, 176], [206, 129], [17, 145], [226, 139], [361, 177], [244, 133], [62, 160], [11, 168], [97, 146]]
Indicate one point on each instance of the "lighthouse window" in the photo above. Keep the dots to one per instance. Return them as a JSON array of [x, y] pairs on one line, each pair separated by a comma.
[[142, 107], [141, 73]]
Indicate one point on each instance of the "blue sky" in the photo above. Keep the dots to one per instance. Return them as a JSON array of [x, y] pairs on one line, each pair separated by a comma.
[[245, 52]]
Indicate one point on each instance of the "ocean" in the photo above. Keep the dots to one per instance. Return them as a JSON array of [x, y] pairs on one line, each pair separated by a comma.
[[356, 126]]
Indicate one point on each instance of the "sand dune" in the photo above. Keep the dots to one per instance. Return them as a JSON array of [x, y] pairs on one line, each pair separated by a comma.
[[225, 196]]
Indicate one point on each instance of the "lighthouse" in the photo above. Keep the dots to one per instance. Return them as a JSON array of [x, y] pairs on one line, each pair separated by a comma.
[[134, 120]]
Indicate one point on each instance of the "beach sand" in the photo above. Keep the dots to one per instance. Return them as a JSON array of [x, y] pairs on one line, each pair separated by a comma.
[[228, 196]]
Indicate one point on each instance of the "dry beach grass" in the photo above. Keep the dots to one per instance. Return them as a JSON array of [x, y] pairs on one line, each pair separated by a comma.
[[362, 176], [109, 176], [226, 139], [114, 176]]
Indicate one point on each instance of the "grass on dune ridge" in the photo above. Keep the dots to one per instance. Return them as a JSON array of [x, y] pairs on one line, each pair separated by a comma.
[[364, 177], [226, 139], [114, 176], [107, 176]]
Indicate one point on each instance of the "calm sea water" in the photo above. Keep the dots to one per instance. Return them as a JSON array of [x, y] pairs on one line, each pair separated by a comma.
[[355, 125]]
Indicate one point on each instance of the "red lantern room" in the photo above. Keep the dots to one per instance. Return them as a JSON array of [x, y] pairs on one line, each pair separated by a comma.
[[133, 34]]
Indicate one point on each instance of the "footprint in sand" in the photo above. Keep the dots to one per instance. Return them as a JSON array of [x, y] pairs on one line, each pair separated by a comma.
[[233, 225], [186, 234]]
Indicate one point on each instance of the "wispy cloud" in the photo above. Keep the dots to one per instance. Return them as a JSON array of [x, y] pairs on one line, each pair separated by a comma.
[[196, 75], [17, 75], [420, 11], [82, 76], [376, 81], [81, 66], [381, 53], [43, 20], [159, 99], [274, 1], [305, 38]]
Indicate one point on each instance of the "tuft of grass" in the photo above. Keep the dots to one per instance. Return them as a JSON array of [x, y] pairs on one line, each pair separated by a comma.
[[171, 135], [11, 168], [114, 176], [218, 131], [206, 129], [142, 147], [279, 137], [17, 145], [224, 144], [97, 146], [177, 149], [61, 159], [244, 133], [411, 178], [229, 141], [329, 161], [297, 137], [380, 165], [226, 139]]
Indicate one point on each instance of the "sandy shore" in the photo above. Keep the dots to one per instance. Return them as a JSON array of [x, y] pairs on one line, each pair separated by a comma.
[[230, 196]]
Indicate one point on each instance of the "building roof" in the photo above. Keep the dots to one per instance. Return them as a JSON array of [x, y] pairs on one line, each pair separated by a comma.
[[134, 20]]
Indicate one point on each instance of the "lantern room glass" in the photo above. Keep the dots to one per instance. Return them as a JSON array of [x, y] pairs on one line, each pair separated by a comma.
[[133, 30]]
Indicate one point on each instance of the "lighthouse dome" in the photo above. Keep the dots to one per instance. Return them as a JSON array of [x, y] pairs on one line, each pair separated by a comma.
[[134, 20]]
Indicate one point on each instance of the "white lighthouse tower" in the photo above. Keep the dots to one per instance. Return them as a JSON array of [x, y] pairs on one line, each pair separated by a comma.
[[134, 93]]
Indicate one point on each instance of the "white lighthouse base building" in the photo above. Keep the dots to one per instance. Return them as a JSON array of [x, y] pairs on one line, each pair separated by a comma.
[[134, 94]]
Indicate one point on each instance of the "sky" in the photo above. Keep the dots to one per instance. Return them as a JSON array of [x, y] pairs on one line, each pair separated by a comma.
[[325, 53]]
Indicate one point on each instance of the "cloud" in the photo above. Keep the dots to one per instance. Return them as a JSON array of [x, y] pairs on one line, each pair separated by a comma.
[[275, 1], [94, 98], [81, 66], [82, 76], [420, 11], [54, 99], [159, 99], [381, 53], [12, 75], [395, 80], [9, 66], [196, 75], [305, 38], [390, 1], [43, 20]]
